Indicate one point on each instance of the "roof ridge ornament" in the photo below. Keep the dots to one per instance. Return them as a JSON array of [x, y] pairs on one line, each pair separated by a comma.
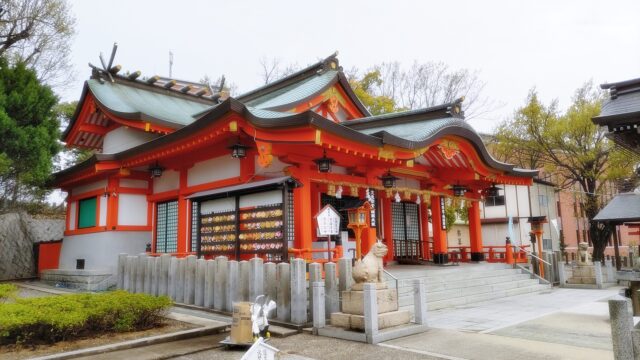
[[108, 70]]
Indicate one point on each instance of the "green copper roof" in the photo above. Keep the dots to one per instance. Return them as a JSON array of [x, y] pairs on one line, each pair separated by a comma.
[[294, 93], [417, 130], [139, 104]]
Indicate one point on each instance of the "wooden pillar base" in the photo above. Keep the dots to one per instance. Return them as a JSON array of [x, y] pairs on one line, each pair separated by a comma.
[[477, 256], [441, 258]]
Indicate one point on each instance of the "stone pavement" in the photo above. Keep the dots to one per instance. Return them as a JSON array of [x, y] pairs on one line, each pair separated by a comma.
[[559, 324], [499, 313]]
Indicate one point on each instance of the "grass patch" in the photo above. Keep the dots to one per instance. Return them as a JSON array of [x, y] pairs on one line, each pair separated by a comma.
[[56, 318]]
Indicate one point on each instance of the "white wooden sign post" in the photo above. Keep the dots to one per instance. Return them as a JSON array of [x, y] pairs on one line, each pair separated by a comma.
[[328, 221]]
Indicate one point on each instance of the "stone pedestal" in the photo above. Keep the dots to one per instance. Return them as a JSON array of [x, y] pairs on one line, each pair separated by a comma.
[[353, 303], [583, 274]]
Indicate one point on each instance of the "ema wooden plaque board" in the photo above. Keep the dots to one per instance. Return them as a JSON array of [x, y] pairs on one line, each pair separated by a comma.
[[328, 220]]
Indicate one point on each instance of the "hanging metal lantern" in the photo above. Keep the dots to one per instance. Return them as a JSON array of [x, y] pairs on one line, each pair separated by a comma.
[[324, 163], [388, 180], [238, 150], [492, 191], [459, 190], [155, 170]]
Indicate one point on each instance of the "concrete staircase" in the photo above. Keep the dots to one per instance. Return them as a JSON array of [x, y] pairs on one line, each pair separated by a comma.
[[462, 285]]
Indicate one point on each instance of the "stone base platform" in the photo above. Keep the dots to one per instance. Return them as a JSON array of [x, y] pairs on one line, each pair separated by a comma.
[[583, 275], [382, 335], [353, 301], [385, 320], [91, 280]]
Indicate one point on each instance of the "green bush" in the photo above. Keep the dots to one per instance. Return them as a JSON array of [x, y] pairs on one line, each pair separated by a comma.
[[55, 318], [7, 292]]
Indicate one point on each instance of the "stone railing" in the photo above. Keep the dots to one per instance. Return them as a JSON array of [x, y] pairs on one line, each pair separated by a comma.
[[217, 284]]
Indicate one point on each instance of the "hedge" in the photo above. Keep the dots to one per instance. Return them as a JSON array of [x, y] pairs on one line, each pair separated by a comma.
[[56, 318], [7, 292]]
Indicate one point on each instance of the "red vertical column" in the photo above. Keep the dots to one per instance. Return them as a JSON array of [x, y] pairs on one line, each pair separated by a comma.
[[387, 226], [475, 232], [302, 209], [424, 224], [440, 247], [183, 215]]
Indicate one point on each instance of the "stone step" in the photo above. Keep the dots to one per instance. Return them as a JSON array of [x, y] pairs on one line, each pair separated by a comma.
[[440, 286], [407, 298], [476, 298], [431, 278]]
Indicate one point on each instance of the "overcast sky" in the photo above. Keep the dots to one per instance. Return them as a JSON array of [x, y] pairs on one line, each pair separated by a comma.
[[553, 45]]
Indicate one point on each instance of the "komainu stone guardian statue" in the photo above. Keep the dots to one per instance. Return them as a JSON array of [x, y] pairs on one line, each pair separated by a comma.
[[370, 268], [584, 258]]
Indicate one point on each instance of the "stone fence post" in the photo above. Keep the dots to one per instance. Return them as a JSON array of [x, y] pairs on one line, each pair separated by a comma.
[[232, 290], [283, 291], [298, 291], [332, 301], [148, 274], [172, 278], [165, 267], [129, 274], [201, 269], [243, 282], [190, 280], [420, 301], [122, 259], [318, 310], [621, 327], [370, 312], [344, 272], [141, 264], [220, 284], [562, 276], [209, 283], [315, 275], [256, 278], [270, 281], [179, 289]]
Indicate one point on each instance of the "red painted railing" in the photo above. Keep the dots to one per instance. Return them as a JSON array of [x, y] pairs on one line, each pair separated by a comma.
[[492, 254]]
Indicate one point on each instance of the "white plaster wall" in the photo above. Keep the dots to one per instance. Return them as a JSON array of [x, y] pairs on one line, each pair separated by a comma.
[[218, 205], [170, 180], [523, 201], [491, 212], [132, 209], [131, 183], [100, 250], [276, 168], [510, 200], [262, 198], [103, 211], [222, 167], [88, 187], [124, 138]]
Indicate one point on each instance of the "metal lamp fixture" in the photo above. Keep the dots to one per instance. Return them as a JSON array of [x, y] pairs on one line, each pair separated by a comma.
[[492, 191], [238, 150], [459, 190], [388, 180], [155, 170], [324, 163]]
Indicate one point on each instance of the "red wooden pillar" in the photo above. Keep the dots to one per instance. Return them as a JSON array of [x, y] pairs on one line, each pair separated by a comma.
[[183, 215], [112, 203], [424, 224], [387, 226], [475, 232], [302, 212], [440, 246]]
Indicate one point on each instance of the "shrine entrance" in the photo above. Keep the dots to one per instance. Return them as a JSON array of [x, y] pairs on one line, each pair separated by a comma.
[[406, 232]]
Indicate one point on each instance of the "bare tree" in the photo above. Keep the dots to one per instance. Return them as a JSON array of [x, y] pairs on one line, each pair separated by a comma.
[[38, 33], [272, 69], [428, 84]]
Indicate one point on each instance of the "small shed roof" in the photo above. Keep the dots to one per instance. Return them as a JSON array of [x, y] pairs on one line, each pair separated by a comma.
[[624, 207]]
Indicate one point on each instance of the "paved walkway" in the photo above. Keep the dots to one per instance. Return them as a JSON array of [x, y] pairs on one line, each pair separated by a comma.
[[500, 313]]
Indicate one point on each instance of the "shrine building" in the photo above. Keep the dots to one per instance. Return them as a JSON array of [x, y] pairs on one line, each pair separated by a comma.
[[182, 168]]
